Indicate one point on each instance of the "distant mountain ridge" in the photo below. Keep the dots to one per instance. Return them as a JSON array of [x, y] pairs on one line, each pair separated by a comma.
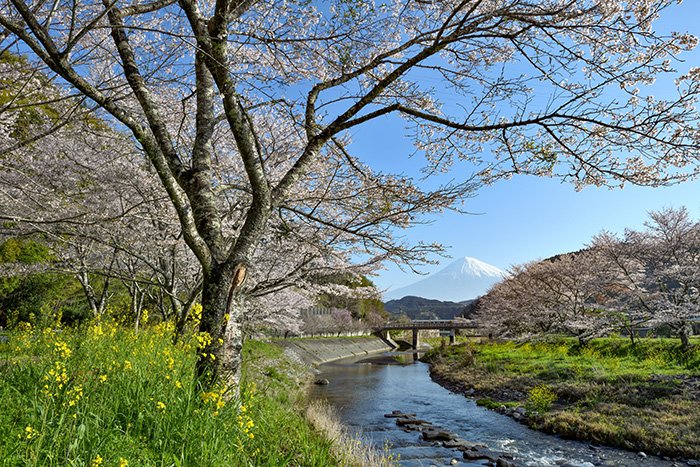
[[463, 279], [425, 308]]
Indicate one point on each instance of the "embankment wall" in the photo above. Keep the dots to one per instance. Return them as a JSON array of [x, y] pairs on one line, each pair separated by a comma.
[[318, 350]]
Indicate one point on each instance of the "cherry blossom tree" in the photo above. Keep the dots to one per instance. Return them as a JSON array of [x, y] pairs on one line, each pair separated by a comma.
[[71, 181], [242, 107], [649, 277], [669, 251], [623, 294], [559, 295]]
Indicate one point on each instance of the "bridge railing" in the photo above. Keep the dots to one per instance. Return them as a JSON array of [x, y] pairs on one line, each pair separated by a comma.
[[430, 324]]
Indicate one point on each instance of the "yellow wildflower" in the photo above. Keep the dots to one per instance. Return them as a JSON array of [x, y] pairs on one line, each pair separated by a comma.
[[160, 405], [97, 461], [103, 378], [123, 462], [30, 432], [62, 349], [127, 365]]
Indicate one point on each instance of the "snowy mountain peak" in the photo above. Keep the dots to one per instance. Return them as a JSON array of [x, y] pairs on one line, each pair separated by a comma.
[[463, 279], [469, 266]]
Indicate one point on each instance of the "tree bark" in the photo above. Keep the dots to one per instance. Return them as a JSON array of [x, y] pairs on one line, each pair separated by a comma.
[[684, 332], [220, 359]]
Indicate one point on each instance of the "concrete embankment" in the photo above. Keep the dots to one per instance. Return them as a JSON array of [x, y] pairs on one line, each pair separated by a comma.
[[317, 350]]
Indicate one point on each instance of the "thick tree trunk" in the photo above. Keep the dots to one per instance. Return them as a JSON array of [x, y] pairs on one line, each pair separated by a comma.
[[684, 332], [220, 359]]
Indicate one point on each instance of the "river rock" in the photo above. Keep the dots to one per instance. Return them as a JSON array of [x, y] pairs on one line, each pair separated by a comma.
[[322, 382], [693, 462], [434, 434], [501, 462], [411, 421], [642, 454], [399, 414], [461, 444], [481, 455], [409, 428]]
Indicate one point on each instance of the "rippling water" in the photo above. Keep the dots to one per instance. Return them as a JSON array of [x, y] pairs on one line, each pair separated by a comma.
[[362, 393]]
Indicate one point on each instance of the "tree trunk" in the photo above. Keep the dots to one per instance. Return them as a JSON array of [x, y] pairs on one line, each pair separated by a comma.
[[220, 359], [90, 296], [684, 332]]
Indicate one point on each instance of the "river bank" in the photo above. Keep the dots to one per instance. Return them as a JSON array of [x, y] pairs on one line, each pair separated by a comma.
[[644, 398]]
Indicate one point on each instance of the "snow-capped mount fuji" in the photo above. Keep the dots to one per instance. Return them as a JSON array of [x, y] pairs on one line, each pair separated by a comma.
[[463, 279]]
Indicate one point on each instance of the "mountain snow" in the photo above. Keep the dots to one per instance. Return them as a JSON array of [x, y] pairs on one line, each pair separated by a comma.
[[471, 267], [463, 279]]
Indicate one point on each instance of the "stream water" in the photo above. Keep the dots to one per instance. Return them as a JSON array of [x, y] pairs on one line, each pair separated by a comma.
[[363, 392]]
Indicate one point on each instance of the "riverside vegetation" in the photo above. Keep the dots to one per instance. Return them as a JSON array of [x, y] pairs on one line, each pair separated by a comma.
[[644, 397], [104, 395]]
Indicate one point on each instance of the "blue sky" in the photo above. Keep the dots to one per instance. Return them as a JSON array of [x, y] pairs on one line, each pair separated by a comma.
[[528, 218]]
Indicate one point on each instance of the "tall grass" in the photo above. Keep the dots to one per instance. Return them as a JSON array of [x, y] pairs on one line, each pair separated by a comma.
[[346, 446], [108, 396]]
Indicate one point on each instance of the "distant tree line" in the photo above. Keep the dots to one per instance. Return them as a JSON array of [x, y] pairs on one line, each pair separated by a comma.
[[642, 279]]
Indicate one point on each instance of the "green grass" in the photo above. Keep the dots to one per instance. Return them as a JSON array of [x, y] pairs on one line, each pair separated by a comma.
[[112, 397], [637, 396]]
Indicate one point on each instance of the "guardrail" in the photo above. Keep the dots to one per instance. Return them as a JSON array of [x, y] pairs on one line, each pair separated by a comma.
[[430, 324]]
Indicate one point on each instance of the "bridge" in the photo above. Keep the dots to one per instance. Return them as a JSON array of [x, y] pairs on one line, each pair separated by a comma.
[[418, 325]]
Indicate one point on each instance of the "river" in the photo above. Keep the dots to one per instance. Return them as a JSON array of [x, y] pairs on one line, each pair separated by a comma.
[[362, 393]]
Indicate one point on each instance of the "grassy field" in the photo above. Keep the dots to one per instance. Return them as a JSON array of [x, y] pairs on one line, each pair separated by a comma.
[[644, 397], [107, 396]]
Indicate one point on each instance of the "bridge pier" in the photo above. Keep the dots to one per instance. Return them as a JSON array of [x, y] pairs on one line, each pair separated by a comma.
[[452, 336], [386, 337], [415, 343]]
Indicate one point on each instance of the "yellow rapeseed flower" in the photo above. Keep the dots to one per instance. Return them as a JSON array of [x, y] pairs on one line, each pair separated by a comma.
[[103, 378], [97, 461], [30, 432], [127, 365], [178, 384], [123, 462], [62, 349], [160, 405]]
